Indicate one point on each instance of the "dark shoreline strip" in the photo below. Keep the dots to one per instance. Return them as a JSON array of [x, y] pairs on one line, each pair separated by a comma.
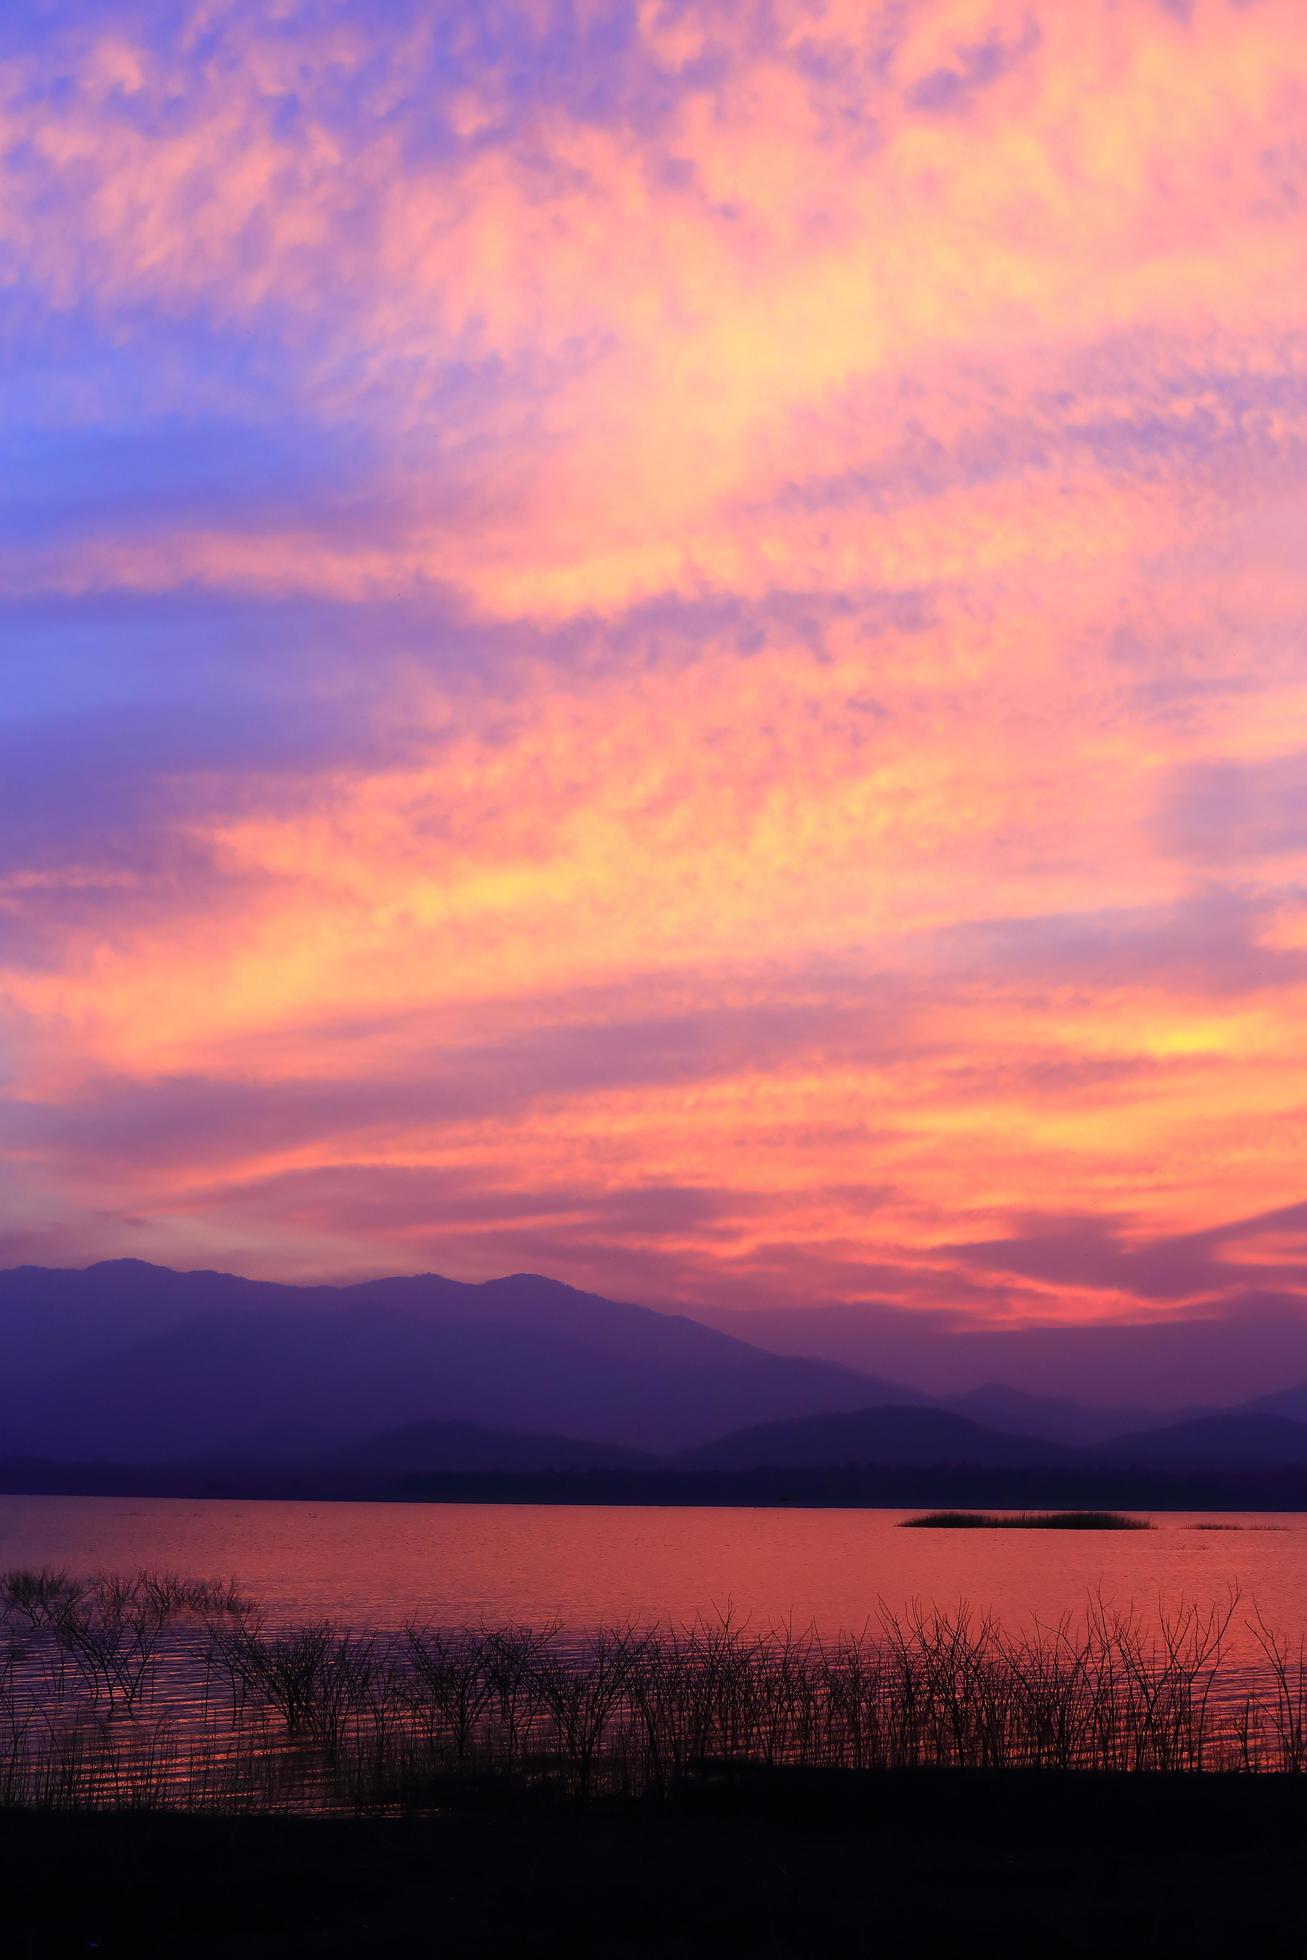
[[842, 1487]]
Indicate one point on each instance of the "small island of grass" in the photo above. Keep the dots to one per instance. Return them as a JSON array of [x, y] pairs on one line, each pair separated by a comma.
[[1238, 1527], [1027, 1521]]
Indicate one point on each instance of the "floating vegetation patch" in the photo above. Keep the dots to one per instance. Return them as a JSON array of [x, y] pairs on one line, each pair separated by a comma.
[[1027, 1521], [1238, 1527]]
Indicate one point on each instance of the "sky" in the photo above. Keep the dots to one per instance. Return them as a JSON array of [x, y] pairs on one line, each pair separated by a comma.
[[662, 643]]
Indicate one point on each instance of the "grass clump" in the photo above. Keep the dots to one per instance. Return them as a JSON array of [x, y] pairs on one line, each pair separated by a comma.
[[1237, 1527], [1027, 1521]]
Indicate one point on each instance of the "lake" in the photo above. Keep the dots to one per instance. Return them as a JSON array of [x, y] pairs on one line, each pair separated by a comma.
[[377, 1565]]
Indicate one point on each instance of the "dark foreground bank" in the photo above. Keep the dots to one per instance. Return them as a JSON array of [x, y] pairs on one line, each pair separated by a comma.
[[777, 1864]]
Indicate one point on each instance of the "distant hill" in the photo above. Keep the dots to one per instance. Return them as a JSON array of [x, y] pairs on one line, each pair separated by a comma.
[[1159, 1362], [432, 1446], [897, 1436], [1056, 1417], [1234, 1441], [131, 1362], [1290, 1403]]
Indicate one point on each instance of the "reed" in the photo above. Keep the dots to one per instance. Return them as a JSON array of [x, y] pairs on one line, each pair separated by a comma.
[[107, 1700]]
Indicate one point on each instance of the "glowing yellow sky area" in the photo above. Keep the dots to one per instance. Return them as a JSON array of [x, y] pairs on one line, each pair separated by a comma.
[[710, 694]]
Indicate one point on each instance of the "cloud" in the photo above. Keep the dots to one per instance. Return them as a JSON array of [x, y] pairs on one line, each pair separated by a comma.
[[1101, 1253], [1236, 812], [953, 88], [1214, 942], [678, 614]]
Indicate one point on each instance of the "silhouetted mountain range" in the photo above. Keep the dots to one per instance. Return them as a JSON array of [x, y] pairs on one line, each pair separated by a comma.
[[1232, 1350], [881, 1436], [127, 1359], [1288, 1402], [916, 1437], [131, 1364], [1054, 1416], [1238, 1440], [421, 1446]]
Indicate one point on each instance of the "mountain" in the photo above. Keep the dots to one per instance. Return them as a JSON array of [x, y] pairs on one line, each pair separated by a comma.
[[1288, 1402], [433, 1446], [1238, 1440], [1056, 1417], [891, 1436], [135, 1364], [183, 1365], [899, 1436], [1166, 1361], [48, 1316]]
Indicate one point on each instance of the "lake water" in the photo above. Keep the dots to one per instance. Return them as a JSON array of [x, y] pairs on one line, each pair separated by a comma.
[[377, 1565]]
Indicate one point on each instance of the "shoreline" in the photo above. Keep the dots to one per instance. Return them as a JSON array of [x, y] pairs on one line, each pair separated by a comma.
[[957, 1487], [782, 1865]]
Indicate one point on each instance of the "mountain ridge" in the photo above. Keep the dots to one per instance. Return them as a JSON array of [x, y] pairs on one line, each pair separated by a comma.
[[169, 1365], [219, 1364]]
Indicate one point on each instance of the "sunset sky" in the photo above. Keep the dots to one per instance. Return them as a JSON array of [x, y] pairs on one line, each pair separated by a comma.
[[660, 643]]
